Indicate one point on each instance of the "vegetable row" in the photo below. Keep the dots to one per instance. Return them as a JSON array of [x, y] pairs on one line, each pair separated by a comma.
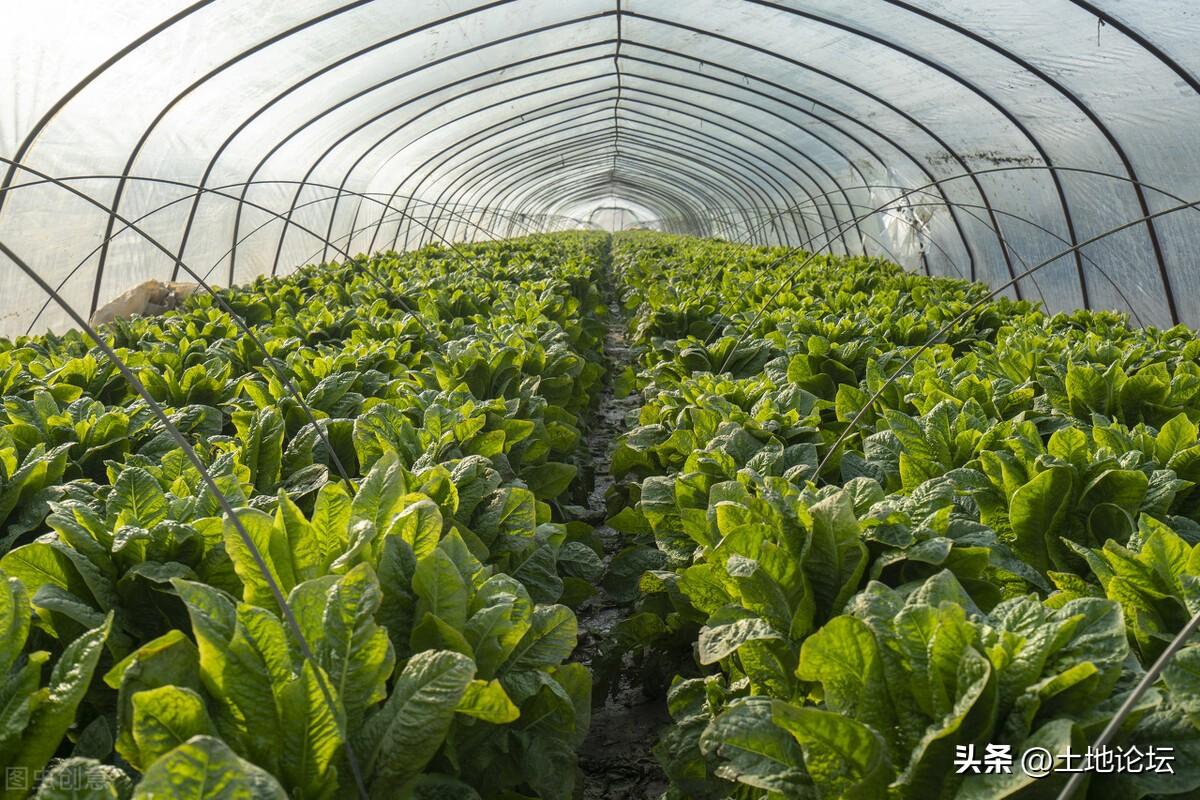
[[861, 556], [423, 645]]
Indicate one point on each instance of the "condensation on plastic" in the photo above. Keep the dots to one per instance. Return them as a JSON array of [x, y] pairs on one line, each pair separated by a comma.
[[248, 137]]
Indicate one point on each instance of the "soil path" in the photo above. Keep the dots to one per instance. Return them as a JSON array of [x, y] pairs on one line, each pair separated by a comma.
[[616, 758]]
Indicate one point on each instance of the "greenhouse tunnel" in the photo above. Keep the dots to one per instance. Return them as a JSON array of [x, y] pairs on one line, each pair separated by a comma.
[[961, 139], [599, 399]]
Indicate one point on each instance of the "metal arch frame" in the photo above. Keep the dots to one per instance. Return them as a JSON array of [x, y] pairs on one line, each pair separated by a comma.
[[792, 123], [665, 188], [795, 62], [799, 109], [712, 156], [1141, 41], [853, 166], [469, 93], [640, 190], [537, 91], [645, 149], [73, 92], [600, 102], [522, 120], [137, 148], [1013, 119], [970, 87], [522, 159], [695, 185], [538, 155], [476, 110], [1094, 118], [833, 109], [597, 186], [695, 141], [582, 183], [428, 65], [410, 199], [955, 77], [601, 14], [682, 184], [702, 144], [681, 55], [689, 56], [506, 125], [686, 177], [672, 110], [63, 101], [639, 90], [328, 68]]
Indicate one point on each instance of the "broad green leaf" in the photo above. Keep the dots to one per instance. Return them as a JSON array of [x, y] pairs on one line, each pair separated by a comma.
[[1177, 434], [351, 648], [1037, 512], [420, 524], [728, 630], [137, 499], [204, 768], [487, 700], [165, 718], [843, 757], [170, 660], [400, 738], [14, 621], [240, 665], [310, 736], [845, 658], [84, 779], [69, 682], [440, 589], [262, 447], [549, 641], [270, 546], [749, 747], [549, 480], [302, 542]]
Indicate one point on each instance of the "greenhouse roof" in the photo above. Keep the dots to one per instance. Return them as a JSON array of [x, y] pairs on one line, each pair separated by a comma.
[[223, 139]]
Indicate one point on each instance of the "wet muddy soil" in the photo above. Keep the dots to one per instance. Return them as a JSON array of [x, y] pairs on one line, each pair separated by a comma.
[[616, 758]]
